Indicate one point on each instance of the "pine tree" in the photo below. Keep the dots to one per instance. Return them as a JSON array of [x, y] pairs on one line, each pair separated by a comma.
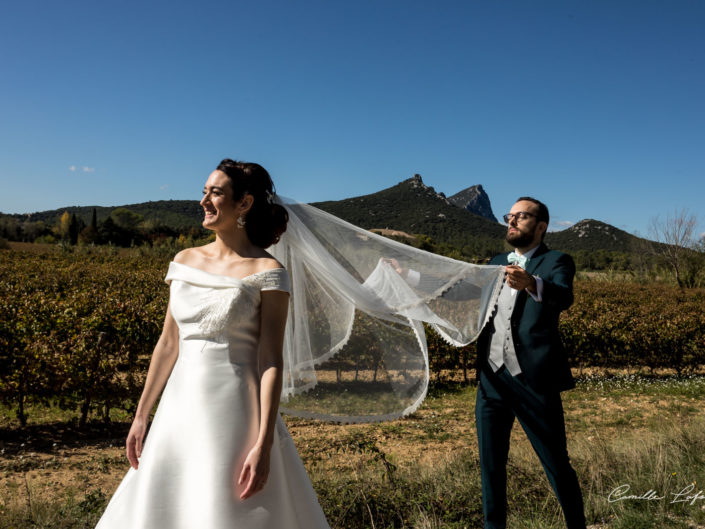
[[74, 229]]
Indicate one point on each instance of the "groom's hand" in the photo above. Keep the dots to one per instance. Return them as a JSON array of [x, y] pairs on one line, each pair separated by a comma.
[[403, 272], [520, 279]]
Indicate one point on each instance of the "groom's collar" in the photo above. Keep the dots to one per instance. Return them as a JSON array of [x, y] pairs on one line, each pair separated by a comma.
[[530, 253]]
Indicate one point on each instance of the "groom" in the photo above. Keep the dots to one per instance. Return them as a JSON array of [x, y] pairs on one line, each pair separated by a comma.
[[522, 366]]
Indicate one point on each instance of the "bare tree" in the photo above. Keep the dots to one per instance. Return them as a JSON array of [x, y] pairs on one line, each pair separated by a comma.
[[676, 237]]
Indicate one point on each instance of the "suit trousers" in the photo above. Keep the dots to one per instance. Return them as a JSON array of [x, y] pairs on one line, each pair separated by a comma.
[[500, 398]]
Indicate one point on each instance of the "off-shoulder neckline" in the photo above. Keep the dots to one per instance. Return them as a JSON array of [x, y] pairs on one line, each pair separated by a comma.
[[227, 276]]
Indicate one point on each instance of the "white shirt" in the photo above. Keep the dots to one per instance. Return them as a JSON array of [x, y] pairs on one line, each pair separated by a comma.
[[539, 282]]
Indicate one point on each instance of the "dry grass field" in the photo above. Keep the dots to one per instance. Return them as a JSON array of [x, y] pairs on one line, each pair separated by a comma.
[[417, 472]]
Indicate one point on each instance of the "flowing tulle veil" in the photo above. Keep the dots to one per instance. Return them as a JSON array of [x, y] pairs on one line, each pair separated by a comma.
[[355, 347]]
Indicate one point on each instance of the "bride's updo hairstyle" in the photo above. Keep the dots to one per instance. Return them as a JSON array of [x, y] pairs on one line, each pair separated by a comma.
[[265, 221]]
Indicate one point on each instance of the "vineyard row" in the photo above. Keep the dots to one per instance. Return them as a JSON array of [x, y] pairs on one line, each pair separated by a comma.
[[79, 329]]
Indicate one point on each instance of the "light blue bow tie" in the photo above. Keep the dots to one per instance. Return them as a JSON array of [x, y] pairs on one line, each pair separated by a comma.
[[515, 258]]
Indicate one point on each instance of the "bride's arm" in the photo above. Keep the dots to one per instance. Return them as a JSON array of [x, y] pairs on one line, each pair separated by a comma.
[[275, 304], [160, 366]]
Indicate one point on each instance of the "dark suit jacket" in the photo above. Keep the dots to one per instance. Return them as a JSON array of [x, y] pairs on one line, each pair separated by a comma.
[[535, 325]]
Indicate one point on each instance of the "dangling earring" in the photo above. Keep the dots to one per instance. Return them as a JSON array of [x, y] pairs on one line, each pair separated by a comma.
[[241, 222]]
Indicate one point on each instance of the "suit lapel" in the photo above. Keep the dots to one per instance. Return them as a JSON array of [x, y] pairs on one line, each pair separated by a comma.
[[536, 259]]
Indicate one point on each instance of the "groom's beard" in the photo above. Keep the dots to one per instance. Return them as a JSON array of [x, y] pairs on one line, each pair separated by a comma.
[[520, 239]]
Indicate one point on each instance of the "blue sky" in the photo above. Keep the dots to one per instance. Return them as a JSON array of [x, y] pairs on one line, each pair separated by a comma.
[[596, 107]]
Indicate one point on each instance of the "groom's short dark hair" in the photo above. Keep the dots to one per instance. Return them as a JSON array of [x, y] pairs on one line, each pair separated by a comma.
[[542, 215]]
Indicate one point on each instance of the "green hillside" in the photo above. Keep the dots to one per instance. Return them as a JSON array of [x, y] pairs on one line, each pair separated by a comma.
[[594, 235], [415, 208]]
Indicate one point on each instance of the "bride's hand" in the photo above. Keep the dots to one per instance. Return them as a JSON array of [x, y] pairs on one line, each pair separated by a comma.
[[255, 471], [134, 441]]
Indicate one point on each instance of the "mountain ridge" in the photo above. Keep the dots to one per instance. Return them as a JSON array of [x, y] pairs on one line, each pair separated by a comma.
[[411, 207], [591, 234], [416, 208]]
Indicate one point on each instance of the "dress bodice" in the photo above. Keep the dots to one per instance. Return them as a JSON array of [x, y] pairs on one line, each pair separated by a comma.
[[220, 313]]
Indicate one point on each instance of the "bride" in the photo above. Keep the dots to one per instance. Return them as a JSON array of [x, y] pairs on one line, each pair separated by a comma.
[[354, 350], [218, 454]]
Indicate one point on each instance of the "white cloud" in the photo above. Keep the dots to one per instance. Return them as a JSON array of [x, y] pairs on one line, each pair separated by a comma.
[[560, 225], [165, 186], [72, 168], [88, 169]]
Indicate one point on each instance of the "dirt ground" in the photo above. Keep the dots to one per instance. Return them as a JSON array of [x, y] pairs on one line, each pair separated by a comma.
[[53, 460]]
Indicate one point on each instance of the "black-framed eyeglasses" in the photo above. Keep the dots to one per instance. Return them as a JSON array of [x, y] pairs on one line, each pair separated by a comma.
[[519, 215]]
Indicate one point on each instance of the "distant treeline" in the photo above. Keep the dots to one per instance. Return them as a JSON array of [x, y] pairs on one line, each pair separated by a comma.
[[120, 227], [126, 227]]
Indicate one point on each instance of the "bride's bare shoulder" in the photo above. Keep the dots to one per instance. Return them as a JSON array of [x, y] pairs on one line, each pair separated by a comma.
[[267, 262], [189, 256], [203, 257]]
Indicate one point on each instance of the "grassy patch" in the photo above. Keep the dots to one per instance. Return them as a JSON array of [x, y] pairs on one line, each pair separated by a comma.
[[419, 472]]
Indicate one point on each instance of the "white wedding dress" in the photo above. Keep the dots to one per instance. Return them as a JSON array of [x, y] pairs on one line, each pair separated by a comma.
[[208, 418]]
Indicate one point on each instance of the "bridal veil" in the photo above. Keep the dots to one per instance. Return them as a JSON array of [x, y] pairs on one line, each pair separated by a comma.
[[355, 346]]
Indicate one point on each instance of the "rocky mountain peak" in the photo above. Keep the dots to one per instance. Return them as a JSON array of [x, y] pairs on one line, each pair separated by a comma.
[[475, 200], [416, 183], [594, 228]]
